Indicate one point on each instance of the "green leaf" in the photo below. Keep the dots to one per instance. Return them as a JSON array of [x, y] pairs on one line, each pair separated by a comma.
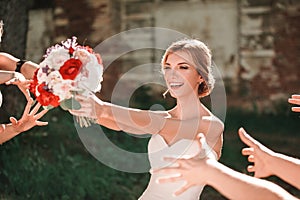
[[70, 104]]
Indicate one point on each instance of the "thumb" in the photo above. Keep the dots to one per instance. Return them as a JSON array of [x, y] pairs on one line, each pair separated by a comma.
[[204, 148], [201, 140], [13, 120]]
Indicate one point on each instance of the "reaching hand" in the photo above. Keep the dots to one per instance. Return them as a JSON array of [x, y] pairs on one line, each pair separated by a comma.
[[258, 154], [295, 100], [23, 84], [189, 169], [28, 119]]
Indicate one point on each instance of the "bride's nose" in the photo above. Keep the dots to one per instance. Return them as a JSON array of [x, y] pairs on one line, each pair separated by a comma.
[[174, 73]]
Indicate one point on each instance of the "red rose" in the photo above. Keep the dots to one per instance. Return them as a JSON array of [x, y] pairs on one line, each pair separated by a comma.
[[47, 98], [34, 83], [70, 68], [71, 50]]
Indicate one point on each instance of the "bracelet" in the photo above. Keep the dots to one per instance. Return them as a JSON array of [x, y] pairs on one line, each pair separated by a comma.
[[19, 65]]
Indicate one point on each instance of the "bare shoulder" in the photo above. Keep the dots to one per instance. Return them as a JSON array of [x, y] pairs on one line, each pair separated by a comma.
[[210, 119], [214, 121]]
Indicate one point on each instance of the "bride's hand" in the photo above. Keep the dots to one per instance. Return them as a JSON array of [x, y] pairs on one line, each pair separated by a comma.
[[89, 106]]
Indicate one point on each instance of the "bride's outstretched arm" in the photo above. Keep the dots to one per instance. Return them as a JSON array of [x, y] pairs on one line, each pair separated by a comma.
[[118, 118], [139, 121]]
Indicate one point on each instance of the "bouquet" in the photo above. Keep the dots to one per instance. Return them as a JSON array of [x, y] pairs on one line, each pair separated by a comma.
[[67, 69]]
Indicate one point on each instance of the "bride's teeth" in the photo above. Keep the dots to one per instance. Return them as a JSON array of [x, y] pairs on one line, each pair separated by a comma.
[[175, 84]]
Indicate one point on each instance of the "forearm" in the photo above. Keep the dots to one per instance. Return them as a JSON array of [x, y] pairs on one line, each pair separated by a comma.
[[279, 163], [235, 185], [119, 126], [6, 76], [28, 69], [8, 63], [128, 119], [8, 133]]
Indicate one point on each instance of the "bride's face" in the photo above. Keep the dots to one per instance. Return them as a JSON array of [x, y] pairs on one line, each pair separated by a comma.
[[180, 75]]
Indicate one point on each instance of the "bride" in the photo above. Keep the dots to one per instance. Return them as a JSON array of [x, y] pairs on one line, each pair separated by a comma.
[[186, 66]]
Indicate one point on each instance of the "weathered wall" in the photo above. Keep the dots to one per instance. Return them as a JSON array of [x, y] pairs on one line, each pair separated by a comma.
[[214, 23], [253, 75], [14, 15]]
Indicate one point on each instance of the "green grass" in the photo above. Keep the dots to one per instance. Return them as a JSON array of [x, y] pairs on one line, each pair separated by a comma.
[[52, 163]]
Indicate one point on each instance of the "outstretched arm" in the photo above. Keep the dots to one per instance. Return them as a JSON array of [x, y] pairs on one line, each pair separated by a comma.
[[28, 120], [139, 121], [267, 162], [8, 63], [6, 76], [230, 183], [17, 79]]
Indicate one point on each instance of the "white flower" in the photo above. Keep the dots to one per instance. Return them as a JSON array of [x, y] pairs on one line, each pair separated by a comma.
[[83, 55], [60, 86], [57, 58], [90, 77], [41, 76]]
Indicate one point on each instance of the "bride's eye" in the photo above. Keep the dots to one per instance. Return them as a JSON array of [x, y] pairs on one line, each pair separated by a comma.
[[183, 67], [166, 67]]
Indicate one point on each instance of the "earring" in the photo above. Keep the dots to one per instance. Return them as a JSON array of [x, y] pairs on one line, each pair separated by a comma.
[[165, 93]]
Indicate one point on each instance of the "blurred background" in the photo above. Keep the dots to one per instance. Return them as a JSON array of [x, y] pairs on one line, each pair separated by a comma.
[[255, 44]]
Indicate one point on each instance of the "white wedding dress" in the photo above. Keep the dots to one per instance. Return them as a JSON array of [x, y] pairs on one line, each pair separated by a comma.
[[157, 150]]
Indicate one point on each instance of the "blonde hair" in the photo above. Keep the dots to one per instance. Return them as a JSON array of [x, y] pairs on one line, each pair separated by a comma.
[[201, 59]]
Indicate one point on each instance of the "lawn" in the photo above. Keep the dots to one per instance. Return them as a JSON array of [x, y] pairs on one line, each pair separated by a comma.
[[52, 162]]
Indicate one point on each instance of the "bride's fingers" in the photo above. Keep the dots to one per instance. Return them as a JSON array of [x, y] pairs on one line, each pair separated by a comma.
[[85, 104], [83, 112], [83, 98], [75, 112], [80, 97]]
